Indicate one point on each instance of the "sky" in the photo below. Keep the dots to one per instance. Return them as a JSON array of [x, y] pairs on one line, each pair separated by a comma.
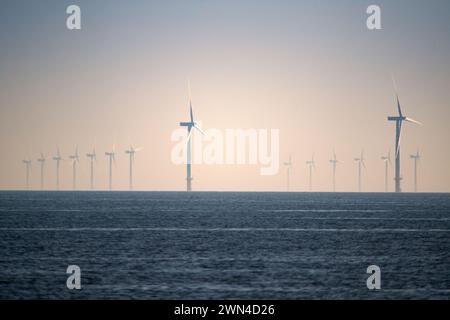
[[311, 69]]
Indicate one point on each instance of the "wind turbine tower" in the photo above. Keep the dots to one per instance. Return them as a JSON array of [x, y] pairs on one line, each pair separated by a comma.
[[312, 165], [27, 173], [112, 158], [58, 159], [191, 124], [92, 156], [398, 128], [131, 152], [288, 172], [333, 164], [387, 163], [361, 163], [416, 158], [41, 160], [75, 159]]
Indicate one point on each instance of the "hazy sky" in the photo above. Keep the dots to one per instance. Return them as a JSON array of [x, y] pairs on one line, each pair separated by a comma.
[[311, 69]]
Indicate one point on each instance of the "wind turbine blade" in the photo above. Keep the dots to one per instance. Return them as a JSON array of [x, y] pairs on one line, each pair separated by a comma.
[[399, 107], [414, 121], [190, 112], [198, 128], [399, 140], [189, 136], [138, 149]]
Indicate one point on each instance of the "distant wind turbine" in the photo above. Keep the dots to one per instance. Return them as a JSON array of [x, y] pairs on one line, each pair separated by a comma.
[[131, 152], [92, 156], [416, 158], [288, 172], [112, 158], [58, 159], [41, 160], [334, 162], [398, 127], [312, 165], [191, 124], [75, 159], [27, 172], [360, 161], [387, 163]]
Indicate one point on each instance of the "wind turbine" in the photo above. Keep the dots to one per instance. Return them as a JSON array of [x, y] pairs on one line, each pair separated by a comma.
[[191, 124], [360, 161], [312, 165], [112, 158], [27, 169], [334, 163], [131, 152], [288, 171], [398, 127], [41, 160], [58, 159], [387, 163], [416, 158], [92, 156], [75, 159]]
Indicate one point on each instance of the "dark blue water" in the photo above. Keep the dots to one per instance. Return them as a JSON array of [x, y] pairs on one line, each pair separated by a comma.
[[159, 245]]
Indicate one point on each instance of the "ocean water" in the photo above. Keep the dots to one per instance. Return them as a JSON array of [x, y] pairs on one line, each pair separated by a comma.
[[208, 245]]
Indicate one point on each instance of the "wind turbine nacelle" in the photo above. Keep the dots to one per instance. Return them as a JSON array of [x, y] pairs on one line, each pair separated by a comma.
[[396, 118], [187, 124]]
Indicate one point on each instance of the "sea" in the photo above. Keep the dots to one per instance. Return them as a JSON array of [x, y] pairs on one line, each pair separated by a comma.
[[224, 245]]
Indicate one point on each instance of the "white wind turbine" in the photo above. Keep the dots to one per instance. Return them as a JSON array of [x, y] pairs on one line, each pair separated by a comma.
[[75, 159], [27, 172], [416, 158], [41, 160], [360, 161], [131, 152], [398, 127], [334, 162], [288, 172], [92, 156], [112, 158], [191, 124], [387, 163], [58, 159], [312, 165]]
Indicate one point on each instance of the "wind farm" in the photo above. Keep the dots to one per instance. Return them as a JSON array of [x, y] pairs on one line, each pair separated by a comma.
[[222, 150], [192, 126]]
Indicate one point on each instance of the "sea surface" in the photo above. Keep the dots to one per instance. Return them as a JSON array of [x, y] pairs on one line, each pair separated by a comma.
[[219, 245]]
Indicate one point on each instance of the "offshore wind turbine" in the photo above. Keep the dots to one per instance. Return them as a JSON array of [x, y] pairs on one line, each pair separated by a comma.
[[131, 152], [416, 158], [75, 159], [387, 163], [112, 158], [288, 172], [312, 165], [190, 124], [58, 159], [92, 156], [27, 172], [398, 127], [360, 161], [41, 160], [334, 162]]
